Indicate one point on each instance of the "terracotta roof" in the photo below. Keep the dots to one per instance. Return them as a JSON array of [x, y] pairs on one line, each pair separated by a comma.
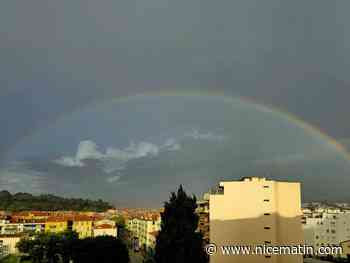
[[70, 218], [57, 219], [40, 213], [104, 226], [12, 236]]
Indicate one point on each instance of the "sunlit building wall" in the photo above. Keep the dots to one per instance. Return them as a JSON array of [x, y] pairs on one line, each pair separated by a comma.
[[255, 211]]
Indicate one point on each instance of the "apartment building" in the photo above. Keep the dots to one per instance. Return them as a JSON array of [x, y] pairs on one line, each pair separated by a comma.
[[8, 244], [83, 225], [11, 229], [143, 229], [203, 217], [326, 227], [255, 211], [56, 224]]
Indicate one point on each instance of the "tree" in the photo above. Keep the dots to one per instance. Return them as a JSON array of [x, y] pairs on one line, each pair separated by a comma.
[[25, 201], [49, 247], [66, 246], [120, 221], [102, 249], [178, 241], [148, 257]]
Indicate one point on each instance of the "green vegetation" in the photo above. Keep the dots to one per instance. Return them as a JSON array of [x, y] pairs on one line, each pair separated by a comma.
[[123, 232], [178, 241], [67, 247], [13, 259], [25, 202]]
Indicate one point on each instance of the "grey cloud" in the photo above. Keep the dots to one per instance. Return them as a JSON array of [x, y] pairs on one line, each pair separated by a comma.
[[115, 158], [18, 178], [198, 135]]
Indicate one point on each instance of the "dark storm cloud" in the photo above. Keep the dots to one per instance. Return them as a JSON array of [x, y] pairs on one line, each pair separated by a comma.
[[60, 56], [57, 56], [68, 180]]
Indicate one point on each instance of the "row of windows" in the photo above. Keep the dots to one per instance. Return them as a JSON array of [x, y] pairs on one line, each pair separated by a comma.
[[267, 214]]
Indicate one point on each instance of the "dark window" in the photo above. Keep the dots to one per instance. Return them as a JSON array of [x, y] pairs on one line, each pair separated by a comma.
[[266, 200], [266, 186], [267, 256], [267, 227], [267, 214]]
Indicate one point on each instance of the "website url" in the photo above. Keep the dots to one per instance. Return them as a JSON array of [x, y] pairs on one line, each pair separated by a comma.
[[270, 250]]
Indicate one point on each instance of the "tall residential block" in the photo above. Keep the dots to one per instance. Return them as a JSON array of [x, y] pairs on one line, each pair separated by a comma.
[[255, 212]]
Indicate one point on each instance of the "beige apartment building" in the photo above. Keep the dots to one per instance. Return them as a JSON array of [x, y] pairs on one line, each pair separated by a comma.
[[256, 212]]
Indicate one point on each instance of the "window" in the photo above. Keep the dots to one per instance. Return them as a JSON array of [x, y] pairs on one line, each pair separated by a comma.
[[267, 227], [266, 200], [267, 256], [266, 186], [267, 214]]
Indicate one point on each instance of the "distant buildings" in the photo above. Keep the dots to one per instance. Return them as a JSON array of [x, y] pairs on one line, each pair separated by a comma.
[[326, 226], [255, 211], [86, 224]]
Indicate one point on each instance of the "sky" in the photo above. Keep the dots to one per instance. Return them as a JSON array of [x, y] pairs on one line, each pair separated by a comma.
[[59, 59]]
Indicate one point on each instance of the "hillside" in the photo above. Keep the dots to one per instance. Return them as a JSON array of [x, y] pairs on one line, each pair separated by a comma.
[[48, 202]]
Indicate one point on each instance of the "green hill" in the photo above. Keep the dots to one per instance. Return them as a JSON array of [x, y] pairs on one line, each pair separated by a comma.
[[48, 202]]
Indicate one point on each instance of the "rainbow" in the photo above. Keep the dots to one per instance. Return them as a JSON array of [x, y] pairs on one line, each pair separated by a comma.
[[308, 128]]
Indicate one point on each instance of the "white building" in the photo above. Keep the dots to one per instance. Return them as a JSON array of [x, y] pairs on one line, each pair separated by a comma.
[[8, 244], [105, 227], [11, 228], [326, 227], [105, 230]]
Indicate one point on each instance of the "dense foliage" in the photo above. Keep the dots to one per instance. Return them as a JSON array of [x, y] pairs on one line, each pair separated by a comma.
[[24, 201], [46, 247], [67, 247], [178, 241], [102, 249]]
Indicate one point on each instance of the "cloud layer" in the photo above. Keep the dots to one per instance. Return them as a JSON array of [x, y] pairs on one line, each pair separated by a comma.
[[88, 150]]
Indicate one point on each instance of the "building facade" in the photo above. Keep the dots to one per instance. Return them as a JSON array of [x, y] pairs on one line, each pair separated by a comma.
[[326, 227], [56, 225], [203, 217], [8, 244], [83, 225], [255, 212], [143, 230]]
